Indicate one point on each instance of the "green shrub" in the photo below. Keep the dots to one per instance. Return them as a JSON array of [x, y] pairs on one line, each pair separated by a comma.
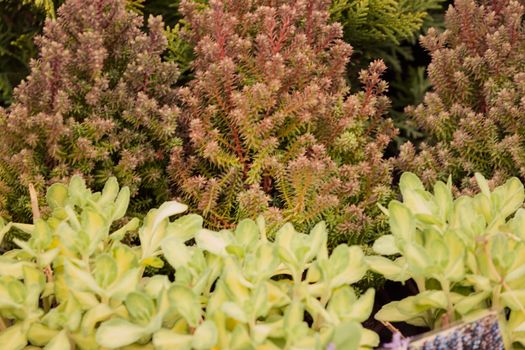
[[271, 125], [474, 114], [74, 283], [465, 255], [99, 102]]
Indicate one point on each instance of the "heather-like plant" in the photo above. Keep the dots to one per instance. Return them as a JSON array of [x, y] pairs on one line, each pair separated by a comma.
[[474, 115], [271, 125], [465, 255], [99, 101], [74, 284]]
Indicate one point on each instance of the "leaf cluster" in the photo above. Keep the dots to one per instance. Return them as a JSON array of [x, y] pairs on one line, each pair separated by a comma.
[[466, 255], [74, 284]]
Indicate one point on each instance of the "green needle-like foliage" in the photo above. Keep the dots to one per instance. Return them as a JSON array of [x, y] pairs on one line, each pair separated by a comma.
[[474, 115], [271, 124], [99, 101]]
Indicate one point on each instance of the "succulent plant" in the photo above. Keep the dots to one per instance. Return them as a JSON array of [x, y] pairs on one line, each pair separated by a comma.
[[465, 255], [74, 284]]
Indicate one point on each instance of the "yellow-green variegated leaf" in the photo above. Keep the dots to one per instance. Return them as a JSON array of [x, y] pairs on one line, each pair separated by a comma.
[[514, 299], [155, 284], [81, 280], [185, 228], [369, 339], [347, 336], [169, 340], [483, 184], [166, 210], [471, 302], [13, 338], [361, 309], [206, 336], [124, 285], [318, 238], [393, 270], [57, 195], [105, 270], [385, 245], [99, 313], [186, 303], [214, 242], [140, 306], [346, 265], [234, 311], [402, 221], [417, 258], [59, 342], [121, 204], [176, 252], [109, 192], [247, 233], [118, 332]]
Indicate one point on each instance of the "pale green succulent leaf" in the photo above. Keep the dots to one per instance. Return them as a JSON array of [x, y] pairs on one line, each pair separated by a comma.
[[81, 280], [214, 242], [176, 252], [234, 311], [118, 332], [59, 342], [347, 336], [57, 195], [393, 270], [470, 302], [39, 334], [169, 340], [166, 210], [140, 306], [185, 302], [514, 299], [385, 245], [369, 339], [483, 184], [417, 258], [361, 309], [99, 313], [109, 192], [185, 227], [205, 336], [105, 270], [402, 222], [121, 204], [124, 285], [247, 233], [13, 338], [13, 268]]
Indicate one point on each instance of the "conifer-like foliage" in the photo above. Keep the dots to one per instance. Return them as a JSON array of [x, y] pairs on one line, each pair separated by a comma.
[[98, 101], [475, 114], [272, 127]]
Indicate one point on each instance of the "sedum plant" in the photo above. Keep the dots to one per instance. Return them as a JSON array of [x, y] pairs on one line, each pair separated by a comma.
[[465, 255], [473, 115], [75, 285], [271, 125], [99, 101]]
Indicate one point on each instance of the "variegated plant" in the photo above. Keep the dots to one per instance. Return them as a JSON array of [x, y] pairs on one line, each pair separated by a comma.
[[75, 285], [465, 255]]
